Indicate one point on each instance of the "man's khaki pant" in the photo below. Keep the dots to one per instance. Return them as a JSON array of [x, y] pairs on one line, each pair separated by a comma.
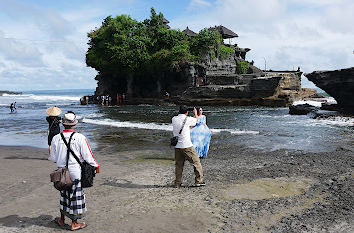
[[182, 154]]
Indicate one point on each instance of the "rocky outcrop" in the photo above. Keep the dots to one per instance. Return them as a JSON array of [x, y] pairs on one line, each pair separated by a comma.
[[10, 93], [271, 88], [337, 83], [302, 109], [212, 82]]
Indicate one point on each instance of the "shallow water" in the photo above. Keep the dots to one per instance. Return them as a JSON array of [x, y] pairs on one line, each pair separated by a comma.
[[145, 126]]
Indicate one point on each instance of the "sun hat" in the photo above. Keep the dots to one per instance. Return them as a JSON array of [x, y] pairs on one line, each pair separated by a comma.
[[53, 111], [69, 118]]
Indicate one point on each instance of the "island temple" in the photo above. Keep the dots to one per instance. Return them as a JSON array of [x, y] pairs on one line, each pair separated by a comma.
[[216, 81]]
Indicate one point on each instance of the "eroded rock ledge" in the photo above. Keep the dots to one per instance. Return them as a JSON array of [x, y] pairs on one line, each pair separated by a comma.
[[214, 82], [337, 83]]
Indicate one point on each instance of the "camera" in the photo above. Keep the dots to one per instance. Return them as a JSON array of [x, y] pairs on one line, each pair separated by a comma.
[[190, 109]]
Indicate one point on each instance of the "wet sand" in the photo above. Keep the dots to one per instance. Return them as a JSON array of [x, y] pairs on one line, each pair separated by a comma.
[[247, 191]]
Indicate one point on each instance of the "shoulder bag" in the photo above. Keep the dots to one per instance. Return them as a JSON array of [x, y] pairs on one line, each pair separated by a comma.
[[88, 172], [174, 140], [61, 177]]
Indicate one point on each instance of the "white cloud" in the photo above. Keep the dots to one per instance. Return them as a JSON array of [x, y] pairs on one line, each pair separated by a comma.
[[311, 34], [42, 46], [198, 3], [15, 51]]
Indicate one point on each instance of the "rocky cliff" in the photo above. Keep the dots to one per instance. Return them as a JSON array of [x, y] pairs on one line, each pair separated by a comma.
[[337, 83], [218, 82], [212, 82]]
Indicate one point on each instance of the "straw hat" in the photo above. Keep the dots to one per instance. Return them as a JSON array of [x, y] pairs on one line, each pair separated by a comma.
[[69, 118], [53, 111]]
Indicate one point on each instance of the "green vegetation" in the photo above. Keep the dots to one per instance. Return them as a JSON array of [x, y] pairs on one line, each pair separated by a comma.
[[242, 67], [123, 45], [225, 52]]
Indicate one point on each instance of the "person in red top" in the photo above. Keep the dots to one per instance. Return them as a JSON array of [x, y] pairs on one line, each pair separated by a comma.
[[72, 202]]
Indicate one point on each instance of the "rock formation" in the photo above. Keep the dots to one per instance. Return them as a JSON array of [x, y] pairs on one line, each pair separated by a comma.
[[217, 82], [10, 93], [337, 83], [213, 82]]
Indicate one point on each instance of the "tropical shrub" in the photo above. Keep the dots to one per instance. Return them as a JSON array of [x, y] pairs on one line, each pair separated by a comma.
[[242, 67]]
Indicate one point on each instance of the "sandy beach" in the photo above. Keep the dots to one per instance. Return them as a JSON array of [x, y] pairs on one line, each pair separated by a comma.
[[247, 191]]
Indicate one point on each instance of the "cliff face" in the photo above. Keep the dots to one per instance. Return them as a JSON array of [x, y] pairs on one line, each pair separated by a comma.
[[337, 83], [211, 82], [221, 81]]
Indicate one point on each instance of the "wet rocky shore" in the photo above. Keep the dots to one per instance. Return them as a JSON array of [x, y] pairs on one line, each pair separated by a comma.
[[262, 191], [297, 191], [247, 191]]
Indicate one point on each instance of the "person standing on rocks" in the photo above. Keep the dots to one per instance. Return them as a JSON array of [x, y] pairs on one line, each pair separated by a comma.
[[184, 149], [72, 202]]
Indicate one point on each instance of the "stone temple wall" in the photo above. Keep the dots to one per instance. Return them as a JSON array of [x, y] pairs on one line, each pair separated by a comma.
[[290, 80]]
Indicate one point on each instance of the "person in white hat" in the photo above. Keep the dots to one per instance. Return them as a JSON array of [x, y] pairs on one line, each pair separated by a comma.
[[53, 123], [72, 202]]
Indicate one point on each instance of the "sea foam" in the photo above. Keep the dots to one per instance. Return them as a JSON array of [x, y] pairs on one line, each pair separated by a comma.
[[154, 126], [337, 121], [50, 98], [317, 103]]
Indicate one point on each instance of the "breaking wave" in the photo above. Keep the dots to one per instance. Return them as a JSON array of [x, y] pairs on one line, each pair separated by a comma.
[[48, 98], [317, 103], [154, 126]]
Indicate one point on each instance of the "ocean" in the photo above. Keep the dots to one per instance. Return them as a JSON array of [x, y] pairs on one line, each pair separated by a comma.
[[149, 127]]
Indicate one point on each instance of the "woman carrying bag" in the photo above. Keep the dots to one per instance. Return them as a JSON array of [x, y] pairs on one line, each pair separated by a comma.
[[72, 201]]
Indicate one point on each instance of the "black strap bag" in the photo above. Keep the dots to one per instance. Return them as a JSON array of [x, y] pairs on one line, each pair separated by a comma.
[[88, 172], [174, 140]]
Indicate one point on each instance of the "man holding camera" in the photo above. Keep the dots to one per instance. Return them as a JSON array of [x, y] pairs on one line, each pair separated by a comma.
[[184, 149]]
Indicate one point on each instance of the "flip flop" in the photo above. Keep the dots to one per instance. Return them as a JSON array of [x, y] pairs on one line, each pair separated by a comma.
[[79, 228], [56, 221]]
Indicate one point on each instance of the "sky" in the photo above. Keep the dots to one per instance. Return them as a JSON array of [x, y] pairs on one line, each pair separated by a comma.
[[43, 42]]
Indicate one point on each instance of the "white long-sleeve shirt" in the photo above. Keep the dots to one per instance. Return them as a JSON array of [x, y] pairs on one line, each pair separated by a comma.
[[78, 145]]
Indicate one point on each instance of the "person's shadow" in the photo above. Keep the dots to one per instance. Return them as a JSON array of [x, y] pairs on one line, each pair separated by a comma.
[[24, 222]]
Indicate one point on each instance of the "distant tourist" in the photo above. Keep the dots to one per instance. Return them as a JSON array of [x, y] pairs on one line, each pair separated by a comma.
[[53, 123], [72, 202], [184, 149], [119, 99], [12, 107], [201, 135]]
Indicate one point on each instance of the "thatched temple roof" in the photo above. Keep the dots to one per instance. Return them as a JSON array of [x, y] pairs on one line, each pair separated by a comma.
[[225, 32], [165, 22], [189, 32]]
